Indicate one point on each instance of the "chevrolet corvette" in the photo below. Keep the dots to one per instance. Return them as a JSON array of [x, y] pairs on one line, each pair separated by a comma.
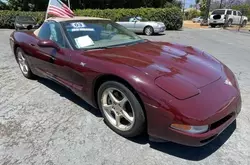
[[171, 91]]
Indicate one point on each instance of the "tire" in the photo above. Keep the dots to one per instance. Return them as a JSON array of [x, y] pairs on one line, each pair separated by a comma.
[[229, 23], [23, 64], [213, 25], [244, 23], [132, 107], [149, 30]]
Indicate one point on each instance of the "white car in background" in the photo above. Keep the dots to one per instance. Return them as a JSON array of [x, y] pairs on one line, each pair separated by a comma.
[[197, 19], [218, 17]]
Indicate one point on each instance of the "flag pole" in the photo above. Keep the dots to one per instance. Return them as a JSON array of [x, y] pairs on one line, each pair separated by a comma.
[[69, 3], [47, 10]]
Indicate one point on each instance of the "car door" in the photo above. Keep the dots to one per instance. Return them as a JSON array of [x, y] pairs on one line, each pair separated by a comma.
[[139, 26], [129, 23], [61, 59], [51, 62], [235, 17], [239, 17]]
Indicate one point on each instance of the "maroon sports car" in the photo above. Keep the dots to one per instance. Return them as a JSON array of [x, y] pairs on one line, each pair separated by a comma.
[[176, 93]]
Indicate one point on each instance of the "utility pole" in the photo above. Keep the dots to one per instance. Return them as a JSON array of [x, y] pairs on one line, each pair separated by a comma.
[[207, 9], [183, 8], [221, 1], [69, 3]]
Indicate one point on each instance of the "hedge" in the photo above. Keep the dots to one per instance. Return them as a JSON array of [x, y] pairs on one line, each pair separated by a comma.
[[172, 17]]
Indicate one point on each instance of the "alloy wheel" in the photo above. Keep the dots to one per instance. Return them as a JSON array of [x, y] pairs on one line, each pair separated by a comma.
[[22, 63], [117, 109], [149, 31]]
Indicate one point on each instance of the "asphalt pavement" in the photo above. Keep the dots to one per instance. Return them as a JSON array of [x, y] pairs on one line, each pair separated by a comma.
[[42, 123]]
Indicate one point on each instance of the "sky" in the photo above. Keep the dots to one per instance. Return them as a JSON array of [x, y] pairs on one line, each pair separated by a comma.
[[188, 3]]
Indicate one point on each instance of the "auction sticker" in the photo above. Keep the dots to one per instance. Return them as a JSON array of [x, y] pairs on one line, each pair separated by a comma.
[[78, 25]]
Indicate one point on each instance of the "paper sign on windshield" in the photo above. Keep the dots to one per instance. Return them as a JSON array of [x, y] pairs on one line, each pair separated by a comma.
[[84, 41]]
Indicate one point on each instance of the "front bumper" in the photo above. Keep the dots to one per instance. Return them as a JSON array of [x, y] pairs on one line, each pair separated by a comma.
[[159, 30], [202, 139], [221, 106], [26, 26]]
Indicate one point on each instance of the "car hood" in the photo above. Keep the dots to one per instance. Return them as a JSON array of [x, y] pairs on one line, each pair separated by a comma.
[[161, 59]]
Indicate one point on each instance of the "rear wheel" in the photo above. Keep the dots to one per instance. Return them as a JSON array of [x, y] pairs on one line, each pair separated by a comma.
[[244, 23], [230, 23], [213, 25], [121, 110], [23, 64], [148, 30]]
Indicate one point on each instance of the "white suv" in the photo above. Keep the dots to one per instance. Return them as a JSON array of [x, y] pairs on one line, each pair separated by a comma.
[[218, 17]]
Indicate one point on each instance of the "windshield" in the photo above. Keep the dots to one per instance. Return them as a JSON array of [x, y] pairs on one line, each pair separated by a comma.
[[25, 19], [94, 34], [218, 12]]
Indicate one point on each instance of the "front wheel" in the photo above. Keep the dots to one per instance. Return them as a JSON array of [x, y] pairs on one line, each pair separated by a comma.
[[244, 23], [149, 30], [121, 110]]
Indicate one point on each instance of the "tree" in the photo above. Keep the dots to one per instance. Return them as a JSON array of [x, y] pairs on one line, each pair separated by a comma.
[[203, 7], [41, 5], [3, 6], [197, 3]]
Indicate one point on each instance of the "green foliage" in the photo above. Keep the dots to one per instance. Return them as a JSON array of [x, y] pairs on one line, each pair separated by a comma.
[[174, 3], [40, 5], [193, 13], [203, 7], [172, 17]]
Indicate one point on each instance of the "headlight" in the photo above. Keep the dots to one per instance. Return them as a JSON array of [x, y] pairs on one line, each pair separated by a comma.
[[159, 25], [190, 129]]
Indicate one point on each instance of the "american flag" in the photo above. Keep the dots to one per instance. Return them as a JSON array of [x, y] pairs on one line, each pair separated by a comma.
[[59, 9]]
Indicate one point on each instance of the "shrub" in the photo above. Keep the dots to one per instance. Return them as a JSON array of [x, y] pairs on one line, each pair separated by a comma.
[[172, 17], [192, 14]]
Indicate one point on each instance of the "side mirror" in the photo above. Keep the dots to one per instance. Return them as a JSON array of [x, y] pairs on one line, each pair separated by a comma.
[[48, 44]]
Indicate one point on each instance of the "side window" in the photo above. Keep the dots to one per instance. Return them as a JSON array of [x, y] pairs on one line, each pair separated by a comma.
[[239, 13], [234, 13], [125, 19], [52, 31], [229, 12], [56, 34], [132, 19], [44, 33]]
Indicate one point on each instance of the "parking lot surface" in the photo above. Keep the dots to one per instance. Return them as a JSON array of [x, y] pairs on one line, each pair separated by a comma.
[[42, 123]]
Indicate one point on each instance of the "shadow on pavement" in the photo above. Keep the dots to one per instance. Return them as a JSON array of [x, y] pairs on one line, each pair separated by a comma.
[[64, 92], [186, 152], [181, 151]]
